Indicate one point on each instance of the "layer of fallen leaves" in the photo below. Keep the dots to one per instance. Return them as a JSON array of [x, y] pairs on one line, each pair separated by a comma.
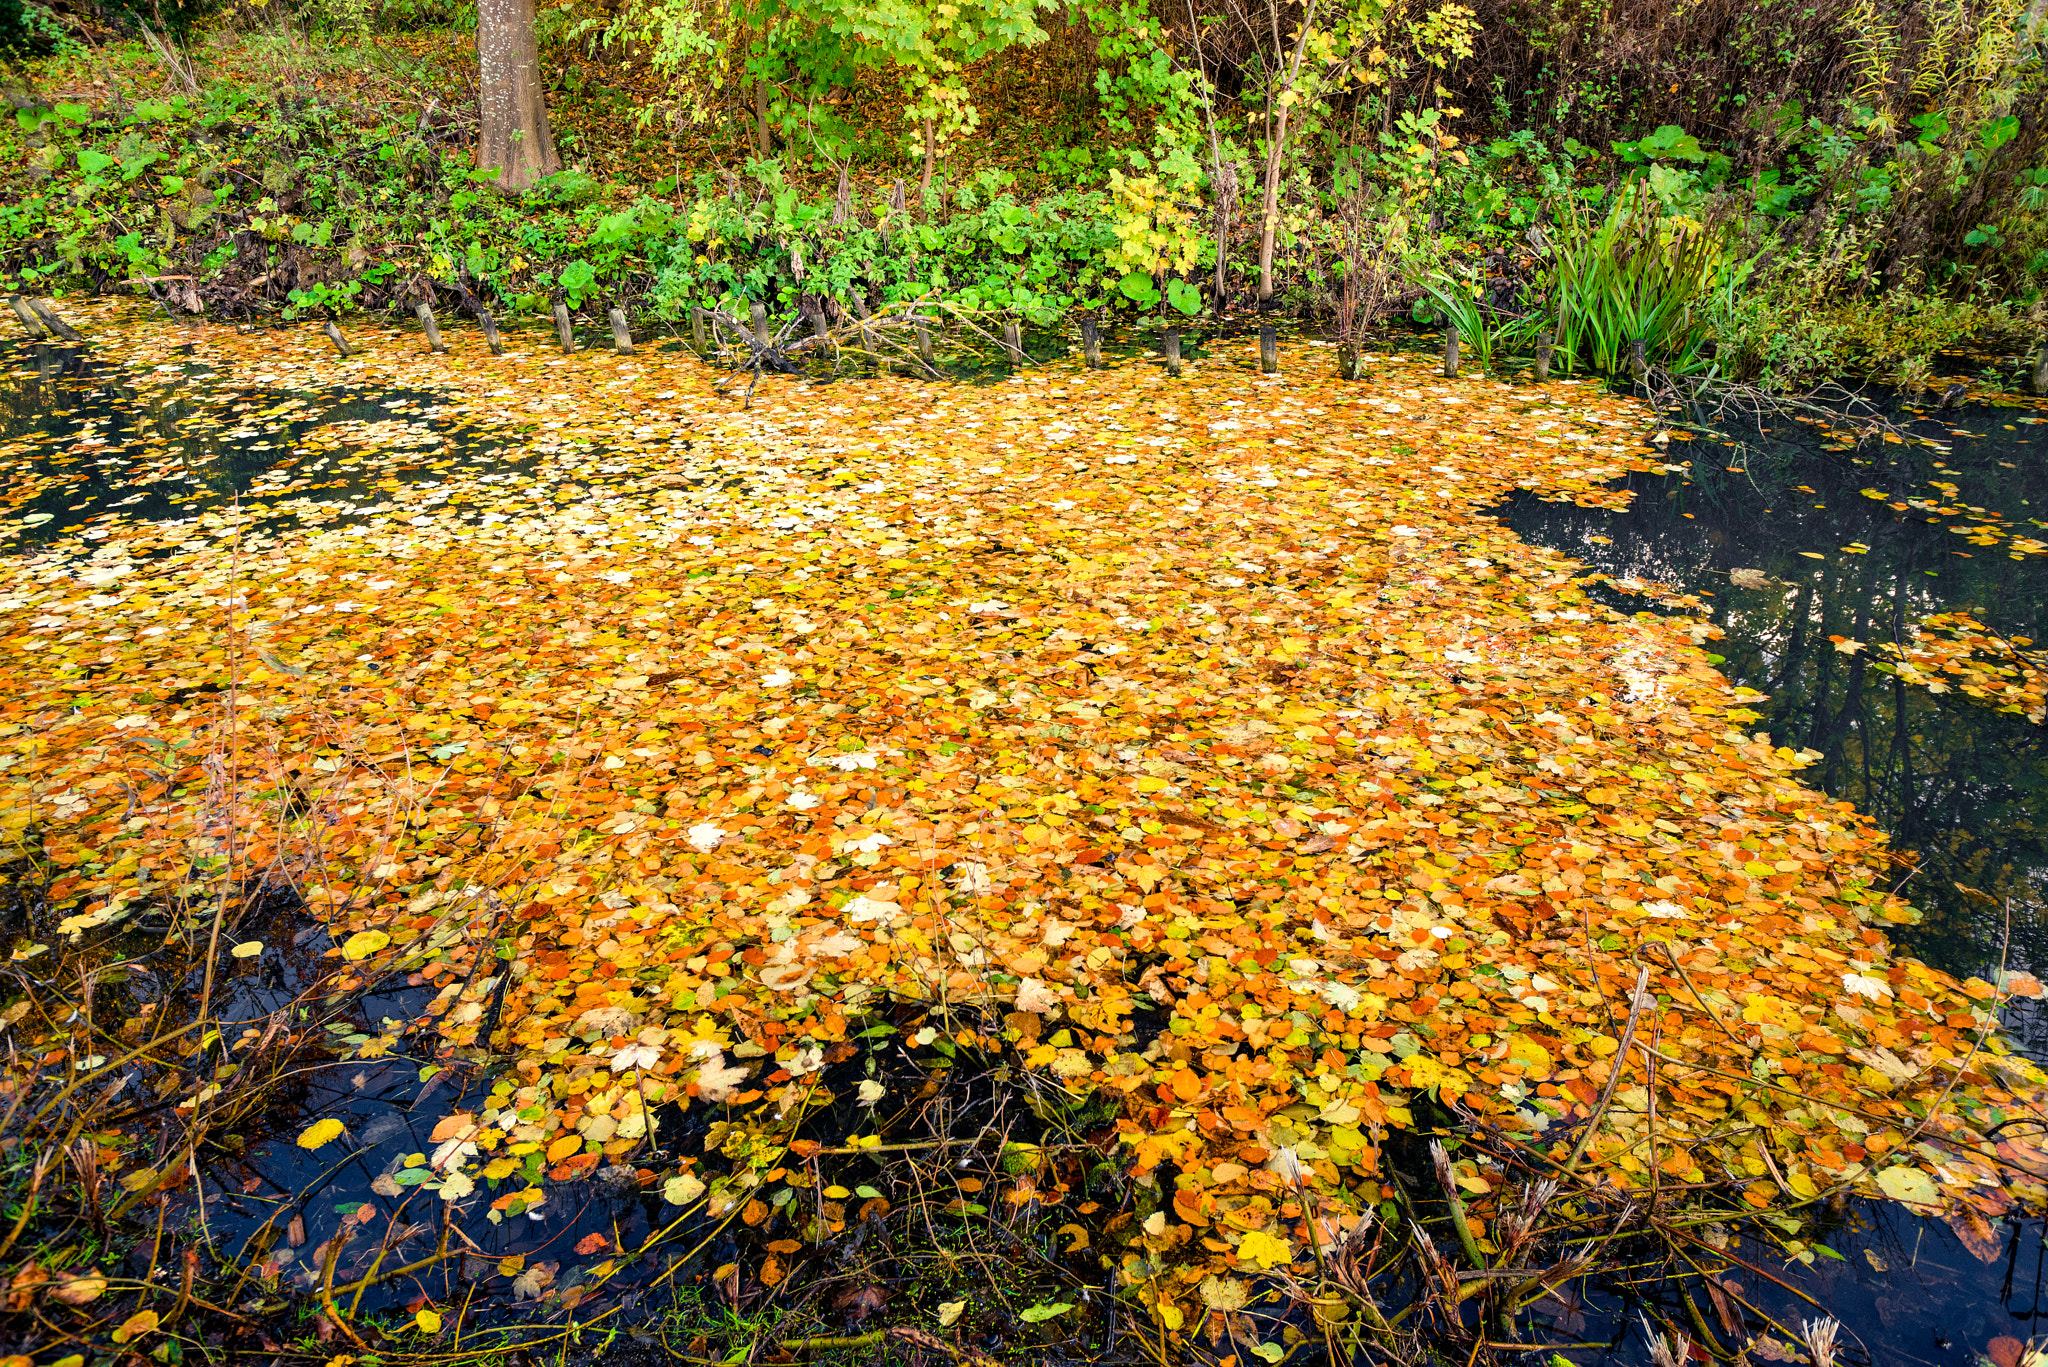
[[1203, 729], [1954, 652]]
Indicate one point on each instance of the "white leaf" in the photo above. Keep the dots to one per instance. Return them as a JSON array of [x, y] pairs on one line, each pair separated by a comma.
[[1034, 996], [716, 1081]]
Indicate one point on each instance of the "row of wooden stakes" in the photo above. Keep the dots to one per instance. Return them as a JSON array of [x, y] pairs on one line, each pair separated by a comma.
[[565, 330], [40, 319]]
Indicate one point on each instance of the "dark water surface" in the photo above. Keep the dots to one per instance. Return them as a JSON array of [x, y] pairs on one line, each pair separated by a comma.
[[1962, 787], [1862, 543]]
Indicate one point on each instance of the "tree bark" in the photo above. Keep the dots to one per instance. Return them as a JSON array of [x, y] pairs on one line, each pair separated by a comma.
[[764, 142], [931, 155], [1276, 133], [513, 137]]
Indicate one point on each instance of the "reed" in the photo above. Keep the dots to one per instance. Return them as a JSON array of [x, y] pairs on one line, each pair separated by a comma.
[[1634, 274]]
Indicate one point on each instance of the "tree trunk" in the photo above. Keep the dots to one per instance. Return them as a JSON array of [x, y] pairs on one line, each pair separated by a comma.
[[1276, 132], [513, 137], [1269, 212], [931, 154], [764, 141]]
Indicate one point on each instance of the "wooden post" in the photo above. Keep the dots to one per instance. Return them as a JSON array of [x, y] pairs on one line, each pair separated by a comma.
[[762, 338], [820, 333], [1269, 350], [334, 336], [27, 317], [1546, 345], [697, 328], [1348, 367], [1013, 342], [490, 327], [2041, 370], [1638, 362], [1169, 347], [565, 331], [425, 313], [1451, 352], [1091, 344], [52, 321], [622, 336], [926, 352]]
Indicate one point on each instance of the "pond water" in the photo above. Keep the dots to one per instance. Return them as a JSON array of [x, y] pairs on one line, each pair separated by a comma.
[[1963, 787], [86, 447], [1863, 544]]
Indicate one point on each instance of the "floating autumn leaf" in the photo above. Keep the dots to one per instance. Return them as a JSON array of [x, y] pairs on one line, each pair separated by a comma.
[[1910, 1185], [717, 1081], [529, 1285], [135, 1326], [427, 1321], [320, 1133], [1262, 1250], [363, 944], [950, 1312], [1040, 1313], [248, 949], [79, 1288], [1224, 1293]]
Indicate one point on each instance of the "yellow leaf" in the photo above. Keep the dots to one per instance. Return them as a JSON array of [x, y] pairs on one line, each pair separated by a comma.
[[563, 1147], [364, 943], [1263, 1250], [428, 1321], [1533, 1057], [320, 1133], [136, 1325]]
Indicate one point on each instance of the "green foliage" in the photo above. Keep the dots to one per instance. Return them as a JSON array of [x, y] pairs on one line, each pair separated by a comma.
[[28, 31], [1036, 260], [1633, 273], [166, 187]]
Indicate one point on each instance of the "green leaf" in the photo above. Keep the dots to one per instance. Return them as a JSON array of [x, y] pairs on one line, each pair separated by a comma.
[[1038, 1314], [91, 162], [1909, 1185], [1184, 296], [1999, 132], [1139, 289], [577, 280]]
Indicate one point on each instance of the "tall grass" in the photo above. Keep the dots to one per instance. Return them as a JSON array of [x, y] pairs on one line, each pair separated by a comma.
[[1634, 273], [1484, 330]]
